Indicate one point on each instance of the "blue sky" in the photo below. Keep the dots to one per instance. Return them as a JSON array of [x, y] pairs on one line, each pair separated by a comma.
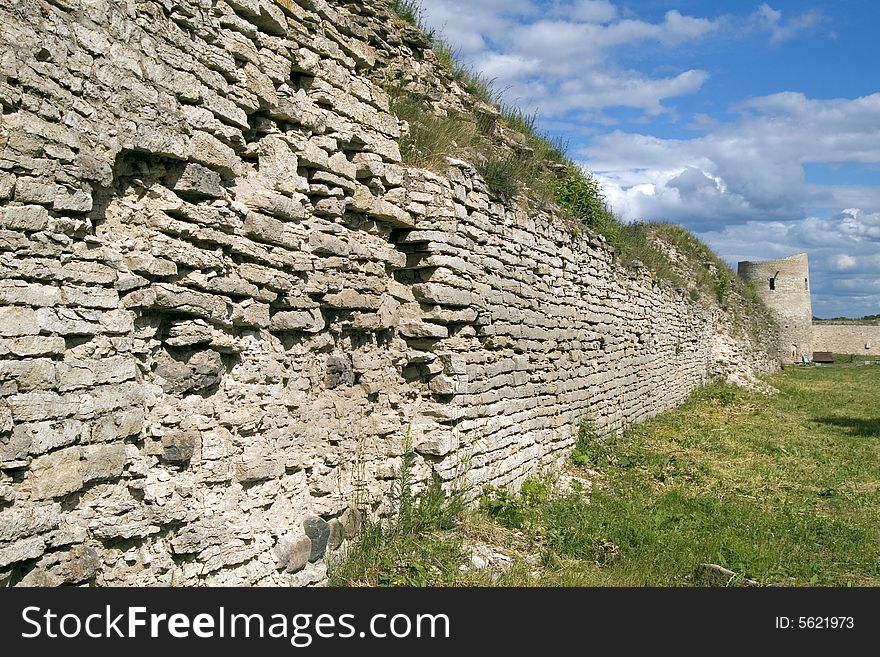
[[756, 125]]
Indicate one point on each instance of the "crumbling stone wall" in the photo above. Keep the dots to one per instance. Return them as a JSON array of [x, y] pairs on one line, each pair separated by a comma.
[[856, 339], [224, 302]]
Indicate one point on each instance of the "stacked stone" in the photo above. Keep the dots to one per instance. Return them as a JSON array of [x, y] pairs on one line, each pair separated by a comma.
[[224, 303]]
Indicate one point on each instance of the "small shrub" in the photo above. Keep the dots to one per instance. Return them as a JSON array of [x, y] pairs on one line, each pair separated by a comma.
[[504, 174], [409, 11]]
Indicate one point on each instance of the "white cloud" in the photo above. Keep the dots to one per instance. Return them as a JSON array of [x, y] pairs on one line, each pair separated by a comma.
[[558, 60], [770, 20], [755, 163]]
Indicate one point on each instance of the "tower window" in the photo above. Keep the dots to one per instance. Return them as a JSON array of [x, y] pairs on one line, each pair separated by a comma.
[[806, 284], [773, 283]]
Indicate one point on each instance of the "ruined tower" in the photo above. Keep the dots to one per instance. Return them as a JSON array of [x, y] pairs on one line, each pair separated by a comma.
[[784, 285]]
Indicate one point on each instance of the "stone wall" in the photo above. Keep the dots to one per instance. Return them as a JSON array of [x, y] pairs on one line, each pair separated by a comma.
[[225, 303], [784, 285], [856, 339]]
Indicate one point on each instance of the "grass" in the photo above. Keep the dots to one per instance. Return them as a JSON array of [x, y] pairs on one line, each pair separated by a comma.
[[782, 490]]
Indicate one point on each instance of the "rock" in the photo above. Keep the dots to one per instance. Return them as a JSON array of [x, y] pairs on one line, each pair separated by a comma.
[[351, 521], [190, 372], [28, 548], [710, 574], [259, 469], [103, 462], [18, 321], [197, 182], [380, 209], [28, 218], [325, 244], [336, 535], [310, 321], [57, 474], [18, 523], [416, 329], [318, 531], [339, 372], [292, 553], [478, 562], [179, 447], [214, 154], [442, 295]]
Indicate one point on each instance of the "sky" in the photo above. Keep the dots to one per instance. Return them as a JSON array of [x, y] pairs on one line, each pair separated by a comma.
[[756, 125]]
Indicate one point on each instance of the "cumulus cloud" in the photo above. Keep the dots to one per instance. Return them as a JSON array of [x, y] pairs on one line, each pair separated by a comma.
[[557, 59], [743, 170]]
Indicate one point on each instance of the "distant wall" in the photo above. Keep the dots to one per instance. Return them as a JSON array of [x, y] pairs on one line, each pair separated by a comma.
[[784, 285], [860, 340]]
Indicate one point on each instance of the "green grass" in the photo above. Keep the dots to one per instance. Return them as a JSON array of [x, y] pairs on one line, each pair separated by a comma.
[[783, 490]]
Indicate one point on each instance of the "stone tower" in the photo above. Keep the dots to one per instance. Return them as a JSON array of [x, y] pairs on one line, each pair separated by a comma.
[[784, 285]]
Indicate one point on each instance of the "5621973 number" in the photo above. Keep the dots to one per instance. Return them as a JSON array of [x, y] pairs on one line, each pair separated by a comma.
[[815, 622]]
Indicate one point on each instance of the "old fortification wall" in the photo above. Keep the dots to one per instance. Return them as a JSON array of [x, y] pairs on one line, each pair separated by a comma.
[[223, 299], [844, 338], [784, 285]]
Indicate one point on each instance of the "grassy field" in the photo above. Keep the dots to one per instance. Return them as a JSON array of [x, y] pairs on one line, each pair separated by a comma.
[[781, 490]]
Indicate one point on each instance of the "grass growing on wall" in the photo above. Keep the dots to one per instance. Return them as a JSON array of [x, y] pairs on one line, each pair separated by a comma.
[[781, 490], [517, 161]]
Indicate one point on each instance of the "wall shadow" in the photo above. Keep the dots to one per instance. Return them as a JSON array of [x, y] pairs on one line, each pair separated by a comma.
[[863, 428]]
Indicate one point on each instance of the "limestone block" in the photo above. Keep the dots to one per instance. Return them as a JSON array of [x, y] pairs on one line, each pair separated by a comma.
[[190, 371], [65, 321], [72, 201], [380, 209], [250, 313], [145, 263], [310, 321], [17, 321], [259, 468], [265, 14], [163, 296], [24, 217], [214, 154], [40, 437], [31, 374], [197, 182], [7, 185], [259, 198], [416, 329], [326, 244], [442, 295], [17, 523], [31, 294], [103, 462], [90, 297], [278, 166], [23, 550], [75, 566], [433, 439], [352, 299], [57, 474], [32, 345]]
